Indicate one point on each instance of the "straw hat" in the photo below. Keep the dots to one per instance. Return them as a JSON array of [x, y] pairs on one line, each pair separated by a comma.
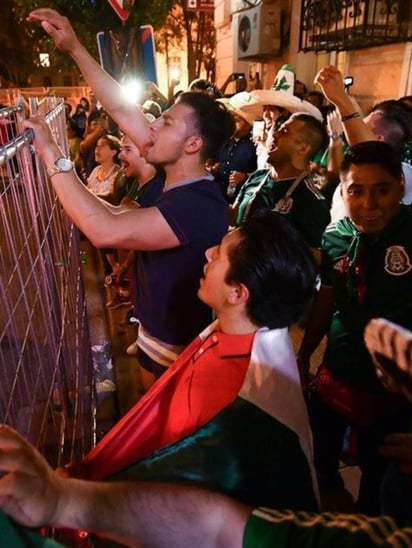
[[281, 95], [244, 106]]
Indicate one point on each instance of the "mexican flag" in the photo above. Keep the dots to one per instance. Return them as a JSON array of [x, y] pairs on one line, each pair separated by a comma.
[[237, 426]]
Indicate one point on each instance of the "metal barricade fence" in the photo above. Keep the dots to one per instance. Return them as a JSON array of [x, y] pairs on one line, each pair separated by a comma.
[[45, 356]]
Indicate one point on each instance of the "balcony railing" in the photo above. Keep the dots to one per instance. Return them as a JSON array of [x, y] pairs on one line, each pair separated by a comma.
[[328, 25]]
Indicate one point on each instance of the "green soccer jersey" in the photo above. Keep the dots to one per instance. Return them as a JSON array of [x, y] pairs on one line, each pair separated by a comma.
[[372, 277], [306, 208], [285, 529]]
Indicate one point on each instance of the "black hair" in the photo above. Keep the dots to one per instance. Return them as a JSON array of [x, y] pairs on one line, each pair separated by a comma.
[[317, 94], [314, 132], [373, 152], [212, 120], [276, 265], [205, 86], [397, 119], [74, 126]]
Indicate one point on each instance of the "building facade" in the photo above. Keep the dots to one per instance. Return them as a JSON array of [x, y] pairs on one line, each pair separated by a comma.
[[370, 40]]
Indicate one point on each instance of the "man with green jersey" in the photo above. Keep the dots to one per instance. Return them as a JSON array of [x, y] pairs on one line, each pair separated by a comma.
[[286, 186], [366, 272]]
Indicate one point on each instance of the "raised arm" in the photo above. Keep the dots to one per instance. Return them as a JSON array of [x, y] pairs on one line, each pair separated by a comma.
[[331, 82], [106, 89]]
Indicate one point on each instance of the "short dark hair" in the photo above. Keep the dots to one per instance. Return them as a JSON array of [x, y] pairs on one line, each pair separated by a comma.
[[318, 94], [314, 132], [396, 122], [213, 121], [276, 265], [373, 152]]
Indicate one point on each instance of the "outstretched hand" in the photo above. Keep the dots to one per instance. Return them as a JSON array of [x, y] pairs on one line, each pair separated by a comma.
[[30, 489], [57, 26], [43, 137]]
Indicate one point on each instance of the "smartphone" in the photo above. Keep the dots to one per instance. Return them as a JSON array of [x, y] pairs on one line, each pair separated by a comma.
[[258, 130], [348, 81], [239, 75]]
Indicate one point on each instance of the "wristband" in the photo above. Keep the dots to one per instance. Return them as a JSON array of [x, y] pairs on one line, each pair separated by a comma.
[[350, 116]]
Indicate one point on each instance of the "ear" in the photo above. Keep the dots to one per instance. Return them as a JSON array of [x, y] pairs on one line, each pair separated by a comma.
[[238, 294], [305, 149], [194, 144]]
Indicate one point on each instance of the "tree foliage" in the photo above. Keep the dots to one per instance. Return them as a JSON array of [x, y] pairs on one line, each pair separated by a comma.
[[198, 29], [87, 17]]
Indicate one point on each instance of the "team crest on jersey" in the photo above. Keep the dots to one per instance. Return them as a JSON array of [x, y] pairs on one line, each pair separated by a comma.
[[397, 261], [284, 205]]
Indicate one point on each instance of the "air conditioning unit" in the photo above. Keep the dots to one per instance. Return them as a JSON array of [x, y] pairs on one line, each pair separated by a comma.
[[257, 32]]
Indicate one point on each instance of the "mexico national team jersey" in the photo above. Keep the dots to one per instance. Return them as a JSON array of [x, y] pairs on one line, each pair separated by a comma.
[[372, 277], [228, 415], [306, 207], [285, 529]]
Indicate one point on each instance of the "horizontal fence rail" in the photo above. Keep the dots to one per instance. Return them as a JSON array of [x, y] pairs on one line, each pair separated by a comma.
[[45, 356]]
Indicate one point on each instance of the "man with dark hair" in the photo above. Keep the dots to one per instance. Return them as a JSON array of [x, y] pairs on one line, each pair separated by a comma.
[[366, 271], [181, 214], [221, 417], [286, 185], [388, 121]]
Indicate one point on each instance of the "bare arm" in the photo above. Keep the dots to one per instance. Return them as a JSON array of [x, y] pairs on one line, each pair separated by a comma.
[[331, 82], [107, 90], [135, 228], [316, 328], [134, 513]]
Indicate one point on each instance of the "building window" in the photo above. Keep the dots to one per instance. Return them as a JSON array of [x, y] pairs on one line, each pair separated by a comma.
[[353, 24]]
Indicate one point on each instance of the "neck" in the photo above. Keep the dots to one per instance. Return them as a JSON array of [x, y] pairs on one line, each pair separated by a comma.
[[175, 174], [233, 324], [285, 172]]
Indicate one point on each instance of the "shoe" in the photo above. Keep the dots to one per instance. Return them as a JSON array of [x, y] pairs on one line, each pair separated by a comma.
[[132, 349], [118, 302]]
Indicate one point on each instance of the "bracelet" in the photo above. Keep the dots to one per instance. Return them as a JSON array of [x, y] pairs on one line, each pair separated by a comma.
[[350, 116]]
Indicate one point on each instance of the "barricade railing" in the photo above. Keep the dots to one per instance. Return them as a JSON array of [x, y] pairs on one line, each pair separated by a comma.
[[45, 355]]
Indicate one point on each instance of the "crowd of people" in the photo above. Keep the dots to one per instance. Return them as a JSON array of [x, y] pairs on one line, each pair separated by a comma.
[[227, 422]]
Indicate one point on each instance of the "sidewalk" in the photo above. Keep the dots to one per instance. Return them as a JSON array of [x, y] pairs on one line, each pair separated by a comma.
[[104, 326]]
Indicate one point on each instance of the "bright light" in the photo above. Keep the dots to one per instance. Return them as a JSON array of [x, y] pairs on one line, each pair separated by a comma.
[[44, 60], [175, 74], [132, 90]]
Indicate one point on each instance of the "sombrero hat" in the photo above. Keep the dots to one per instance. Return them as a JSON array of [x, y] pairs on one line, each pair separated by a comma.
[[281, 95], [244, 106]]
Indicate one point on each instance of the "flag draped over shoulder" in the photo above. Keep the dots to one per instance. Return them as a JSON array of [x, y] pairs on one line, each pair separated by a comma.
[[254, 444]]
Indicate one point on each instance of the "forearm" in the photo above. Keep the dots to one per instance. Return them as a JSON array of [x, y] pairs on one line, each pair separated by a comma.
[[318, 322], [152, 514], [110, 94]]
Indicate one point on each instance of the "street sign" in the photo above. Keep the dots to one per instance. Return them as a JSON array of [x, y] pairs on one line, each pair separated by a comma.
[[122, 8], [128, 51], [200, 5]]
